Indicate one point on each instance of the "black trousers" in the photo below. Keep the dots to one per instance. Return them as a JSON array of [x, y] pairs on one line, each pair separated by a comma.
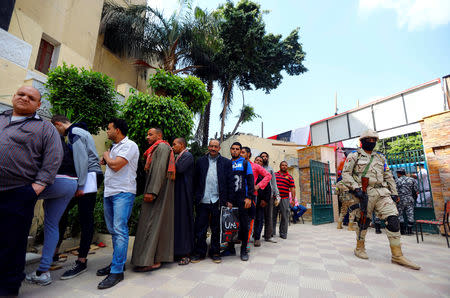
[[259, 222], [86, 206], [244, 223], [268, 221], [16, 215], [207, 215]]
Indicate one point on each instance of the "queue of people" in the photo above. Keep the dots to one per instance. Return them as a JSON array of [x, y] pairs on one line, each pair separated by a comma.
[[37, 163]]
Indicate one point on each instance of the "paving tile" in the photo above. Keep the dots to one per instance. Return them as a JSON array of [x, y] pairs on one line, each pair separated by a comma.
[[249, 285], [193, 274], [157, 293], [282, 278], [382, 292], [178, 286], [150, 280], [309, 292], [315, 261], [316, 283], [275, 289], [233, 293], [416, 293], [206, 290], [346, 277], [347, 288], [338, 268], [377, 281], [251, 274], [129, 291], [219, 279]]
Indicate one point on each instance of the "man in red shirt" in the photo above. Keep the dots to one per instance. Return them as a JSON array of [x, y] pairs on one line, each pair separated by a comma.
[[285, 184]]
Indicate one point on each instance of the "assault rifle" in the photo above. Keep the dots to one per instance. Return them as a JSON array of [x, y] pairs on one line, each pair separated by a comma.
[[363, 203], [361, 194]]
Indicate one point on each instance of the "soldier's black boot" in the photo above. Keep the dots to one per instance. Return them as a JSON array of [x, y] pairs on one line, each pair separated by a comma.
[[410, 227], [378, 228], [402, 228]]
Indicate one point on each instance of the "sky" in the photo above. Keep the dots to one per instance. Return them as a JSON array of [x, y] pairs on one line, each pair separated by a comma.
[[360, 50]]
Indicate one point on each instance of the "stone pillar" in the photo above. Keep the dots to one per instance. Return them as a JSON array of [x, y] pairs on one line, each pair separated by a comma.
[[436, 142]]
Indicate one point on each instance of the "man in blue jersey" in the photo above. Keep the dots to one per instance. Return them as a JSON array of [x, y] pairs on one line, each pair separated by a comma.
[[243, 197]]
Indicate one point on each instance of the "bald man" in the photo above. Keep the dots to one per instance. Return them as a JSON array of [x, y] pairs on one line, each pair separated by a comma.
[[30, 155]]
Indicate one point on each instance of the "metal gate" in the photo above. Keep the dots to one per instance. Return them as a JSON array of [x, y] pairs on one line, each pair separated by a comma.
[[415, 165], [321, 196]]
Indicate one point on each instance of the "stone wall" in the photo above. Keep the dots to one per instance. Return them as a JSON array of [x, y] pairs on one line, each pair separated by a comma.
[[436, 142]]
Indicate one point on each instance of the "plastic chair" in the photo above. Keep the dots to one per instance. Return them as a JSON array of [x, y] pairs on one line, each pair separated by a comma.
[[438, 223]]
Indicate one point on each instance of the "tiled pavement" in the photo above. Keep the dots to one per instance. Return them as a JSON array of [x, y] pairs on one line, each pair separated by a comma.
[[315, 261]]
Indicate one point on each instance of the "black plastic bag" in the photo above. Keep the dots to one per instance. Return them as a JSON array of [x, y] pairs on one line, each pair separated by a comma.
[[229, 224]]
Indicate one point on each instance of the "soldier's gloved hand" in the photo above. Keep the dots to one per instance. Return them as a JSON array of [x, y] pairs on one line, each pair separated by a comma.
[[358, 193], [395, 198], [363, 203]]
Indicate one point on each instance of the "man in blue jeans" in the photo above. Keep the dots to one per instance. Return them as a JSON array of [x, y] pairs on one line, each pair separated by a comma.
[[120, 189]]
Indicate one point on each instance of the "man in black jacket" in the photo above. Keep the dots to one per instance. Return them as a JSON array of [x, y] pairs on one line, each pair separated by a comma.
[[213, 186]]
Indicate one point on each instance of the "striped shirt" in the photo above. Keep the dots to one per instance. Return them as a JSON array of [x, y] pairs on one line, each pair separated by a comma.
[[284, 183], [30, 151]]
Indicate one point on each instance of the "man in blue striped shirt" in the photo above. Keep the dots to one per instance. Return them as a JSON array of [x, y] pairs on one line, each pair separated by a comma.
[[30, 155]]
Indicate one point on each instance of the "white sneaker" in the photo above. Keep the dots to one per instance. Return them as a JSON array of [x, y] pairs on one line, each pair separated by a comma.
[[43, 280]]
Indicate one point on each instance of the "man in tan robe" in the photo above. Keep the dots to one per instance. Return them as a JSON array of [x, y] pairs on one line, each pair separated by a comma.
[[155, 233]]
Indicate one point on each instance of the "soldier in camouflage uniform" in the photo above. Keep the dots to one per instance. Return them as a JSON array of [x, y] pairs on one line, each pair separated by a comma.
[[346, 200], [366, 163], [407, 191]]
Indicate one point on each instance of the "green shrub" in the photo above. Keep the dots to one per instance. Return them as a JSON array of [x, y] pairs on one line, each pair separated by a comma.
[[144, 111], [82, 95], [189, 90]]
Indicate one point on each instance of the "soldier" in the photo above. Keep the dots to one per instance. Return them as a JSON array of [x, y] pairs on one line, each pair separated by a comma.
[[366, 163], [346, 200], [407, 190]]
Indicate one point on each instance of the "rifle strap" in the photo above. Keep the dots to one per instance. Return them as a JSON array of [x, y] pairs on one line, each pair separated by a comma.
[[367, 167]]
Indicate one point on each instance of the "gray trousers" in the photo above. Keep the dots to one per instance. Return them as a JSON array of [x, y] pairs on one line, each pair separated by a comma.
[[284, 209]]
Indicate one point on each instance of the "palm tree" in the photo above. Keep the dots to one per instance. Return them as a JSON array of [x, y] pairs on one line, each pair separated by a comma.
[[204, 46], [247, 114], [141, 32]]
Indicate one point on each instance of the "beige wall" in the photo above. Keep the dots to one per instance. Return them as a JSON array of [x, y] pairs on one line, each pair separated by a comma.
[[122, 70], [11, 78], [73, 23]]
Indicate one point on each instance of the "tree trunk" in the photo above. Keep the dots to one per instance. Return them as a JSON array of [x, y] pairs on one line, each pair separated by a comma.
[[237, 125], [199, 133], [226, 102], [207, 115]]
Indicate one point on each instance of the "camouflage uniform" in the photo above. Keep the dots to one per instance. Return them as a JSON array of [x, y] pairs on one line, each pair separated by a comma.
[[381, 187], [347, 200], [406, 187]]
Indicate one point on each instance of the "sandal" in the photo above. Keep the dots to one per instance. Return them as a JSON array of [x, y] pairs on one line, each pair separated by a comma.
[[146, 268], [184, 261]]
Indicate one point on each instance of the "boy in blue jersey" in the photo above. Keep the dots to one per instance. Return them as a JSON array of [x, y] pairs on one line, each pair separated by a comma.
[[243, 197]]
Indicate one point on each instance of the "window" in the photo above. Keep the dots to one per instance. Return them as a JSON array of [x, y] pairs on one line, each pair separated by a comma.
[[44, 58]]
